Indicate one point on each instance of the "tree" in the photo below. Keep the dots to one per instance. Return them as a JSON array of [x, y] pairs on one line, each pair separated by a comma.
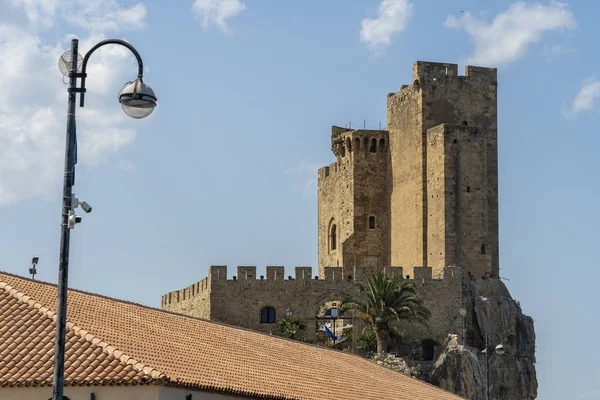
[[290, 326], [382, 299]]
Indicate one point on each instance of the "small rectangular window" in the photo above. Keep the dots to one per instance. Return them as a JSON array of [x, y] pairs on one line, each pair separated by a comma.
[[483, 249], [468, 189], [371, 222]]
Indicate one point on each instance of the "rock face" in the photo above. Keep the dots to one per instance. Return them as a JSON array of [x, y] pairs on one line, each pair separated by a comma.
[[461, 369]]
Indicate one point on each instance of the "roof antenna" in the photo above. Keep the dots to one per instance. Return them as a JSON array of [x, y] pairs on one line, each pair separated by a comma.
[[32, 269], [379, 125], [364, 124]]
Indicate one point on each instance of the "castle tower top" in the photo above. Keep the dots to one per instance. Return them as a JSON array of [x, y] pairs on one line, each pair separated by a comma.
[[434, 70]]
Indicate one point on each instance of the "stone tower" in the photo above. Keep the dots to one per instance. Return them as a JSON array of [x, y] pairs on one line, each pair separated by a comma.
[[425, 192], [353, 197]]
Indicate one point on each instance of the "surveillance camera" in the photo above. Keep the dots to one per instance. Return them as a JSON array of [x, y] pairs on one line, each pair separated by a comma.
[[73, 220], [86, 207]]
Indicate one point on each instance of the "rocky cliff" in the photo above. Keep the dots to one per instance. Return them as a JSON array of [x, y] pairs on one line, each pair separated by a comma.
[[461, 368]]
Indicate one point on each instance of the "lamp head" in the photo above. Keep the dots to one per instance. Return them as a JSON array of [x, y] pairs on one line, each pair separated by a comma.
[[137, 99], [500, 349]]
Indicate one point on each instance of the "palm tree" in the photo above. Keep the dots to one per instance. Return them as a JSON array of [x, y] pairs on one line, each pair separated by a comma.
[[291, 325], [383, 299]]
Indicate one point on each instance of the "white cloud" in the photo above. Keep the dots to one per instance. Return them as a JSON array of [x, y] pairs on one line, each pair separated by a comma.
[[33, 96], [126, 166], [555, 51], [508, 36], [217, 12], [38, 12], [392, 17], [585, 99], [307, 172]]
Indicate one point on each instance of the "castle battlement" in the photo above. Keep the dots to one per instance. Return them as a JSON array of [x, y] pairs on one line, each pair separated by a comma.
[[275, 275], [347, 142], [435, 70]]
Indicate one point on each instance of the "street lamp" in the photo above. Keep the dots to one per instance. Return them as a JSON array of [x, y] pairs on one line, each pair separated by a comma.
[[500, 350], [334, 315], [138, 101]]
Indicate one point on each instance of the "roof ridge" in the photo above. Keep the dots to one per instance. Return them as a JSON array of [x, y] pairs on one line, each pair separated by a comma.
[[88, 336]]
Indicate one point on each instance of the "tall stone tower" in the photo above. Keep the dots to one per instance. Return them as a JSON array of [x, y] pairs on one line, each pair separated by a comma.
[[428, 195], [353, 197]]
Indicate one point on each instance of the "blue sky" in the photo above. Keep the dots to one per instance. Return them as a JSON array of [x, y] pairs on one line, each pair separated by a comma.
[[224, 171]]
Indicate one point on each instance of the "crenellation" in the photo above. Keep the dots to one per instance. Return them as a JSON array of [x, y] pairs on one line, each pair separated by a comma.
[[229, 301], [394, 271], [423, 274], [217, 273], [275, 273], [433, 70], [303, 273], [333, 273], [245, 273], [482, 73]]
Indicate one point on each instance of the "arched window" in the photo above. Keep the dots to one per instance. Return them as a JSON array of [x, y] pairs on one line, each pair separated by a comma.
[[333, 237], [373, 148], [349, 145], [465, 123], [382, 145], [371, 222], [357, 144], [267, 315]]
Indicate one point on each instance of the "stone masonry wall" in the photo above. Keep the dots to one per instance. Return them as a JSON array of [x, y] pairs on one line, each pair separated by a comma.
[[471, 99], [457, 205], [404, 117], [239, 302], [336, 205], [194, 300], [437, 95], [352, 190]]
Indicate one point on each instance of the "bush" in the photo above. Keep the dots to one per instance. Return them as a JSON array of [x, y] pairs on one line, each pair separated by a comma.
[[367, 341], [396, 364]]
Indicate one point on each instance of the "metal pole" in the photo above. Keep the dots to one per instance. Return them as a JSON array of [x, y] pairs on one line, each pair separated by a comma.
[[487, 367], [464, 329], [354, 334], [63, 267], [334, 324]]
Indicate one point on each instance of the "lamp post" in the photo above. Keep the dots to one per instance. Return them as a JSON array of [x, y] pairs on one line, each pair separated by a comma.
[[463, 313], [334, 315], [138, 101], [500, 349]]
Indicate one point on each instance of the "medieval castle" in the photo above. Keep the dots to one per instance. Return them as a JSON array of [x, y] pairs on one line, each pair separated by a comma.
[[418, 199], [422, 195]]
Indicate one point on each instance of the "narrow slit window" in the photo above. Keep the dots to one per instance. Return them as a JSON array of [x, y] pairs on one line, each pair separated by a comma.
[[468, 189], [333, 237], [371, 222], [483, 249]]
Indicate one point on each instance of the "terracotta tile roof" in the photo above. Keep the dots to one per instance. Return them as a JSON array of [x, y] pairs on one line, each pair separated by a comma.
[[117, 342]]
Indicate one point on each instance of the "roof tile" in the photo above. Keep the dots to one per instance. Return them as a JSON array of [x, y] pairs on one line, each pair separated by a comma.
[[116, 342]]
